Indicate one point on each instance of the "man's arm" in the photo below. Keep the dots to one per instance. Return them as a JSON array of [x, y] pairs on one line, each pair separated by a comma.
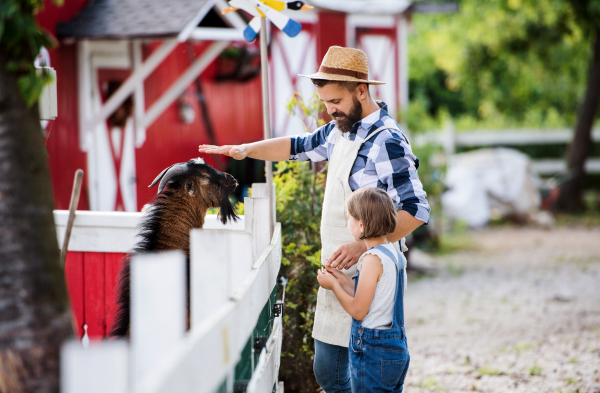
[[347, 255], [276, 149]]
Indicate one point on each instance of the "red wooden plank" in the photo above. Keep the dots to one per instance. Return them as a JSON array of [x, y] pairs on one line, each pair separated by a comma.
[[112, 267], [75, 286], [94, 294]]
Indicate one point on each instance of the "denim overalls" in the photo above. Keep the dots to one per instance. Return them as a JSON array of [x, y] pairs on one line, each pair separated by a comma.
[[379, 358]]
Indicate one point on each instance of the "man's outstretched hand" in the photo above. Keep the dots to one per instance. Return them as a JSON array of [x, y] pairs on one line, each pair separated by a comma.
[[346, 255], [235, 151]]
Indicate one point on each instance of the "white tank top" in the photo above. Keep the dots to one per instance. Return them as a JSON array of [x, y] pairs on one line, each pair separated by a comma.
[[381, 311]]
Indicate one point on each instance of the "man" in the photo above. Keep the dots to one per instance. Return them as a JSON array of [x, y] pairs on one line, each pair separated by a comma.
[[365, 147]]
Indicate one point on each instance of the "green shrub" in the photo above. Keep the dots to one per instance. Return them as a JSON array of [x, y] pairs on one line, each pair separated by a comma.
[[300, 190]]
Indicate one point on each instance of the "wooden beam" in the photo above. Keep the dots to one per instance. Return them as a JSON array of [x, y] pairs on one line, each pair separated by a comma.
[[129, 85], [183, 82]]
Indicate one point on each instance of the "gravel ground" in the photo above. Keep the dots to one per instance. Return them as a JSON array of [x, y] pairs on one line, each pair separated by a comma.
[[520, 312]]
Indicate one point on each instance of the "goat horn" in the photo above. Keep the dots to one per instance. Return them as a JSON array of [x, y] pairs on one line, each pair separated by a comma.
[[174, 170], [160, 176]]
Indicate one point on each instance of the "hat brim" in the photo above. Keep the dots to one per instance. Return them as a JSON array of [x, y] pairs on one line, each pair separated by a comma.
[[341, 78]]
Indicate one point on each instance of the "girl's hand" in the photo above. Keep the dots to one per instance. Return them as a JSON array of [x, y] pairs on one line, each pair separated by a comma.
[[326, 279], [338, 274]]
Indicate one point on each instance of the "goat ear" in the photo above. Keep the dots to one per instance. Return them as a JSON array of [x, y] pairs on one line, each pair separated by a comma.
[[160, 176]]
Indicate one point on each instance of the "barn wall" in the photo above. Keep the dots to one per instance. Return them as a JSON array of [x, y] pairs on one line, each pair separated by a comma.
[[331, 30], [62, 140]]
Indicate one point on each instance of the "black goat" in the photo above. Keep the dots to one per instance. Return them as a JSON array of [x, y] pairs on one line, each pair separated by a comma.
[[185, 193]]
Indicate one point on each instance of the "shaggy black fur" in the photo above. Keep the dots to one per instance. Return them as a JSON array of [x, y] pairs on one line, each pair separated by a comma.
[[186, 192]]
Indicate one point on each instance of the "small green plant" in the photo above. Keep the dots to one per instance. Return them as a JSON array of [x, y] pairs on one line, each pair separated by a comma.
[[535, 370], [522, 347], [571, 380], [429, 383], [488, 371]]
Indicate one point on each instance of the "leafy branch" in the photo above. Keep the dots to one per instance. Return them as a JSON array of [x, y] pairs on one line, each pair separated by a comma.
[[21, 40]]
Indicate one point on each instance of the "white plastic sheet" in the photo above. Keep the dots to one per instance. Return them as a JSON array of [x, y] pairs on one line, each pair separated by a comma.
[[488, 183]]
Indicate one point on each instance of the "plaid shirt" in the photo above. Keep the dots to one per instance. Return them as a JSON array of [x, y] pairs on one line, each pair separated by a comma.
[[385, 161]]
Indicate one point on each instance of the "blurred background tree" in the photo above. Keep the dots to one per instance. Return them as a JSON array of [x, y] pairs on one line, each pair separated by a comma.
[[510, 64], [34, 311]]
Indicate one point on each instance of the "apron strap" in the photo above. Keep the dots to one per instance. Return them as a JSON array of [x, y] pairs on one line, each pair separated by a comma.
[[386, 128]]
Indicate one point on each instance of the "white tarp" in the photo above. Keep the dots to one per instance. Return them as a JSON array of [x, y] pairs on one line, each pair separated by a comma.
[[488, 183]]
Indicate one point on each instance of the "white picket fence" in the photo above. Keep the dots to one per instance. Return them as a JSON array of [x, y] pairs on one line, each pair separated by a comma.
[[233, 270], [450, 140]]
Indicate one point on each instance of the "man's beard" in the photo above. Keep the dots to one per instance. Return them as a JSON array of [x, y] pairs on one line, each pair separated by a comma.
[[355, 114]]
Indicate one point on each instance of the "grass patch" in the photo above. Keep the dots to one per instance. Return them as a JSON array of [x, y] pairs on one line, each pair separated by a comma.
[[488, 371], [456, 239], [429, 383], [522, 347], [535, 370]]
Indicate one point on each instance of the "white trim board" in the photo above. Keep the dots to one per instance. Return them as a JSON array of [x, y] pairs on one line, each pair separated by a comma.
[[114, 231]]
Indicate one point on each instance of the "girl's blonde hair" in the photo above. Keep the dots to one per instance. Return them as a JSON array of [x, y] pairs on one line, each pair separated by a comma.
[[375, 209]]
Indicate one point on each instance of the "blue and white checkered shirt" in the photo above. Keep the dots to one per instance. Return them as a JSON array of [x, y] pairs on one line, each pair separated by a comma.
[[385, 161]]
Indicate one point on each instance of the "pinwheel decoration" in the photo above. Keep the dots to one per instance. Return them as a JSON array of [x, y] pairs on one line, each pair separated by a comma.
[[268, 9]]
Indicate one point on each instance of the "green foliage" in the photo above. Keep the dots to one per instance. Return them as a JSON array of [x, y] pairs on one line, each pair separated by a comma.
[[300, 191], [501, 63], [309, 112], [21, 39]]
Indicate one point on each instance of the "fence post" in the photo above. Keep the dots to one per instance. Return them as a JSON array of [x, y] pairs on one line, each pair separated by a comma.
[[449, 139], [256, 211], [219, 262], [259, 190], [100, 368], [158, 308]]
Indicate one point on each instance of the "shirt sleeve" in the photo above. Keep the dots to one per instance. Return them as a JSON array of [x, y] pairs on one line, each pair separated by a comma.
[[311, 147], [396, 167]]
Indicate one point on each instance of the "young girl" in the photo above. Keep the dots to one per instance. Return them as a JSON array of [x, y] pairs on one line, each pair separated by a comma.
[[378, 352]]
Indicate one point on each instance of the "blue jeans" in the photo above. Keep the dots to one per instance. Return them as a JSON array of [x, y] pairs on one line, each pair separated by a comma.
[[332, 368]]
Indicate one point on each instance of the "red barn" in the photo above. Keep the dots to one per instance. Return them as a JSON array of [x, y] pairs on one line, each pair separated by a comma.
[[192, 80]]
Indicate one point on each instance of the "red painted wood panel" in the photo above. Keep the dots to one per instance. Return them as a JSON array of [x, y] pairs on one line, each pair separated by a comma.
[[75, 286], [62, 134], [94, 297], [53, 13], [112, 267], [331, 30]]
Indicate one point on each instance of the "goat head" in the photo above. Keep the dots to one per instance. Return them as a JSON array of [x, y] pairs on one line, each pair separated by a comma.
[[197, 179], [185, 192]]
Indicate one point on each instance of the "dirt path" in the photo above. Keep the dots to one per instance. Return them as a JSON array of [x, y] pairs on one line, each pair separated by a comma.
[[521, 313]]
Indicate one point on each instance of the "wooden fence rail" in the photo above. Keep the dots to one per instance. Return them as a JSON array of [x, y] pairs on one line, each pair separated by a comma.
[[233, 272], [451, 140]]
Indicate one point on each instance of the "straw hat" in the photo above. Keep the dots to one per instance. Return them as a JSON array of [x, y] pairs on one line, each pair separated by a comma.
[[346, 65]]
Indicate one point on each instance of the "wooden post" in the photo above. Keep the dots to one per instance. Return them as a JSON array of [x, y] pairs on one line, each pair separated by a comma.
[[256, 212], [219, 262], [264, 62], [259, 190], [97, 369], [72, 208], [158, 308]]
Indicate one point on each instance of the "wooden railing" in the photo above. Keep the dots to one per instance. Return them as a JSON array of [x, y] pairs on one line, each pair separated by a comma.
[[233, 272], [452, 140]]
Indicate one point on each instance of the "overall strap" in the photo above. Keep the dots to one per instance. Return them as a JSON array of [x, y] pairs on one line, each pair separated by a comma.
[[398, 316]]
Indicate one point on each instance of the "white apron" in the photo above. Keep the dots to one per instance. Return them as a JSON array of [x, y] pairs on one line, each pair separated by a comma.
[[332, 322]]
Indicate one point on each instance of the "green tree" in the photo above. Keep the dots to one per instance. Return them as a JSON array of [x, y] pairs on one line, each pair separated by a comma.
[[587, 13], [500, 63], [34, 311]]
